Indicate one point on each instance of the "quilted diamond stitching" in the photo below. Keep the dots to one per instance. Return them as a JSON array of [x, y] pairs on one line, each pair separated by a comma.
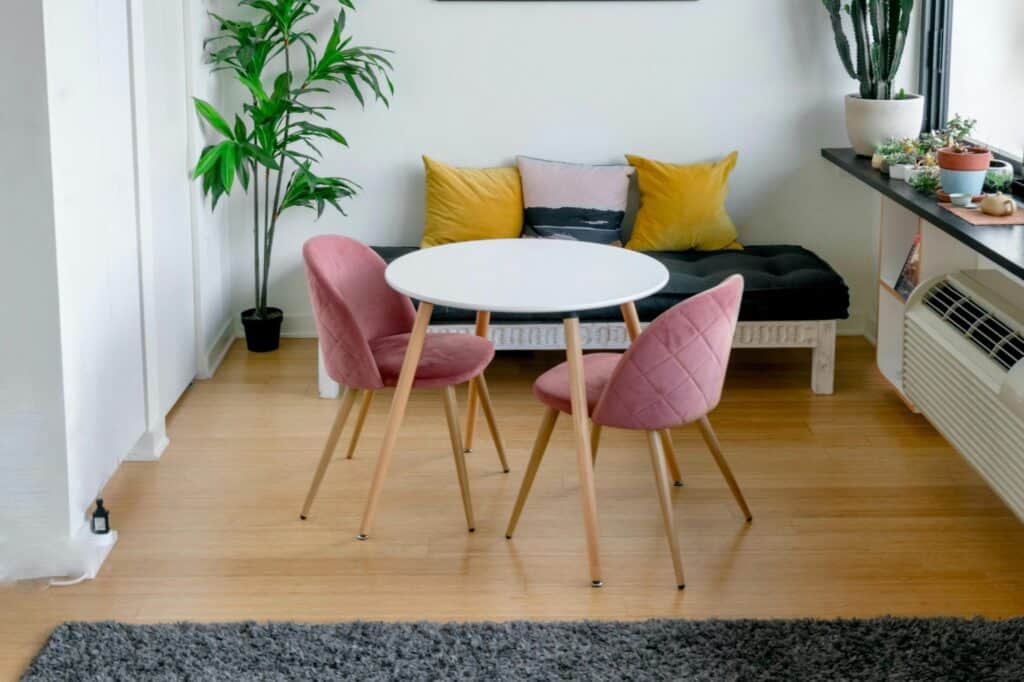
[[661, 354]]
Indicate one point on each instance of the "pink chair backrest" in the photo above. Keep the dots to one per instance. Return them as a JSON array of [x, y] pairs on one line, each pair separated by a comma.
[[353, 305], [673, 373]]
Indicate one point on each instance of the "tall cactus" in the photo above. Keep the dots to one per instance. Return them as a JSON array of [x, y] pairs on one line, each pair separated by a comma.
[[880, 32]]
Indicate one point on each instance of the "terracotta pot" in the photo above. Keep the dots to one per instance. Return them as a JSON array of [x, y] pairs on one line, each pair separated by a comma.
[[976, 159]]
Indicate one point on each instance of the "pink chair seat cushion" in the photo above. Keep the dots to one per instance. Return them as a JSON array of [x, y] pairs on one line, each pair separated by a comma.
[[552, 388], [672, 374], [447, 359]]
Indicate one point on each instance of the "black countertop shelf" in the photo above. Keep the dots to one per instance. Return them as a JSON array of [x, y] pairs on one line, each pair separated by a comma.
[[1002, 244]]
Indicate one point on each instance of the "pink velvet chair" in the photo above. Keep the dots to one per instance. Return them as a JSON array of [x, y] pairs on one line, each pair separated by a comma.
[[364, 327], [671, 375]]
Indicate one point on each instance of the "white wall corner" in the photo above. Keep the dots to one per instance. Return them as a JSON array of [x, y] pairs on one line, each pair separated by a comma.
[[213, 355], [855, 325], [39, 556], [151, 446]]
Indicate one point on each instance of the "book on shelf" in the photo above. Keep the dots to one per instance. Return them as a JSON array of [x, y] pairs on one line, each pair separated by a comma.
[[910, 274]]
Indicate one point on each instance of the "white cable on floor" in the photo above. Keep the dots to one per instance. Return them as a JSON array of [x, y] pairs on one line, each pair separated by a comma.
[[69, 583]]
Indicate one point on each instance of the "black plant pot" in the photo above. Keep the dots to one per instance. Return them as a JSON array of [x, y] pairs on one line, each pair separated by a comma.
[[262, 334]]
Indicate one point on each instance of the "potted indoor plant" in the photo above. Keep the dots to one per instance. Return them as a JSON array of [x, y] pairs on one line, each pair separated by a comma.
[[963, 166], [270, 149], [877, 112]]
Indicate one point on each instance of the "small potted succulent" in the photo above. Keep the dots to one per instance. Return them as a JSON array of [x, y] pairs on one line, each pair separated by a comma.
[[964, 168], [900, 164], [887, 148], [997, 182], [925, 180], [926, 164]]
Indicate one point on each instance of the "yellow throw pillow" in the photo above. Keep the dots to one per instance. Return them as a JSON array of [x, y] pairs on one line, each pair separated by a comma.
[[683, 207], [471, 203]]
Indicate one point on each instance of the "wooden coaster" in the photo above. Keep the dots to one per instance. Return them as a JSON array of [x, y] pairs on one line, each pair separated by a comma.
[[975, 217]]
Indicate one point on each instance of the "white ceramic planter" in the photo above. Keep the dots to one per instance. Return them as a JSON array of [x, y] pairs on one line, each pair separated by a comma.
[[901, 171], [869, 122]]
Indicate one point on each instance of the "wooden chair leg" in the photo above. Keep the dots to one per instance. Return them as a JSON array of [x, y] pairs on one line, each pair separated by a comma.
[[547, 425], [595, 441], [581, 435], [483, 321], [665, 501], [397, 413], [357, 430], [452, 416], [347, 400], [670, 457], [472, 409], [492, 422], [716, 451]]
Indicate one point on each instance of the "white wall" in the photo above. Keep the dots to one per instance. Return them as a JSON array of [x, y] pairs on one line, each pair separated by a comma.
[[985, 70], [210, 229], [33, 481], [92, 157], [162, 116], [479, 82]]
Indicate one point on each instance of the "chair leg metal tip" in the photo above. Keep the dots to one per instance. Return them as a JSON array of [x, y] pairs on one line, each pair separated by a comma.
[[468, 450], [362, 537], [750, 519], [678, 484], [596, 583], [682, 587], [508, 537], [507, 470], [472, 530], [302, 517]]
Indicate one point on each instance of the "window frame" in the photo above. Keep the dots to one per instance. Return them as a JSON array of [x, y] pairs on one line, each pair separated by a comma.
[[934, 72]]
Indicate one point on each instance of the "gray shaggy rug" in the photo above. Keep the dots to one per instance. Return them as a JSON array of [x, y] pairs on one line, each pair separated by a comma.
[[881, 649]]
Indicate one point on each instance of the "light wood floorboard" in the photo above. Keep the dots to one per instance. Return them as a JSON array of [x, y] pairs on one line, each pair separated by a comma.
[[860, 509]]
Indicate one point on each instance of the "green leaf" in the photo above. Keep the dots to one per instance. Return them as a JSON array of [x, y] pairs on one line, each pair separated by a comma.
[[227, 168], [354, 88], [240, 132], [207, 158], [217, 121]]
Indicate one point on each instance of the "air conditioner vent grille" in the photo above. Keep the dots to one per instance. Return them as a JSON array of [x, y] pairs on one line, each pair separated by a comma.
[[975, 323]]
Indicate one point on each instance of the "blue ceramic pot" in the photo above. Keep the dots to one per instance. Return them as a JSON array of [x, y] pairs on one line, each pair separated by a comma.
[[962, 182]]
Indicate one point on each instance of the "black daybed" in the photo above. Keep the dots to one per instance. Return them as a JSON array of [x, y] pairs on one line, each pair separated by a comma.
[[792, 299]]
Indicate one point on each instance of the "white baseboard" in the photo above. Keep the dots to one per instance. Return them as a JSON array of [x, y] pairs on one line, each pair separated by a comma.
[[35, 556], [219, 348], [151, 446]]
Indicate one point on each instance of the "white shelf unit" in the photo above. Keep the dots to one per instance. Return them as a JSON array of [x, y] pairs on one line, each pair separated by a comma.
[[940, 254]]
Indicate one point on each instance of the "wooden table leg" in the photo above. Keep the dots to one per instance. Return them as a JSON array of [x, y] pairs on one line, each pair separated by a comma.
[[632, 320], [492, 421], [581, 432], [398, 404], [483, 323]]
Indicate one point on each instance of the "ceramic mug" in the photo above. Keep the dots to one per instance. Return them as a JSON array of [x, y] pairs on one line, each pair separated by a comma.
[[961, 200]]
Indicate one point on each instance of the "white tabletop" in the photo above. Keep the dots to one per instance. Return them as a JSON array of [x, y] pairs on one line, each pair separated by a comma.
[[526, 275]]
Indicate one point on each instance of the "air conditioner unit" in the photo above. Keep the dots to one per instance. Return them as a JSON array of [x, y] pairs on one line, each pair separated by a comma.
[[963, 347]]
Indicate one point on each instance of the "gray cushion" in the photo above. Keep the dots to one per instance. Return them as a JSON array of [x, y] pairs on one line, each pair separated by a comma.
[[782, 283]]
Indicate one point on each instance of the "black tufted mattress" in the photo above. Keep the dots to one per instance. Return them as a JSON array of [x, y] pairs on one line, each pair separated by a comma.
[[782, 283]]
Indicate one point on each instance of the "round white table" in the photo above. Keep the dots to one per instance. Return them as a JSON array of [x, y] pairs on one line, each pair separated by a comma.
[[520, 276]]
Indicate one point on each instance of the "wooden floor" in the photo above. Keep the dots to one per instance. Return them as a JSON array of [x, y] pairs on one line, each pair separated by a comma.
[[860, 509]]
